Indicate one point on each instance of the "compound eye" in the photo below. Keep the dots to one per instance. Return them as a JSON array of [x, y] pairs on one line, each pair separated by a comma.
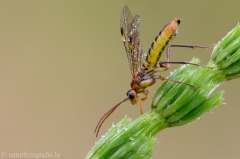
[[131, 95]]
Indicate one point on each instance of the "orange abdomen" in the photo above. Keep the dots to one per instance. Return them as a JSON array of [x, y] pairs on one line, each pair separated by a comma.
[[160, 43]]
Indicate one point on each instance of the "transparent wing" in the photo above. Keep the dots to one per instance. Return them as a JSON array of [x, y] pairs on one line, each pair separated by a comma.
[[137, 51], [130, 28]]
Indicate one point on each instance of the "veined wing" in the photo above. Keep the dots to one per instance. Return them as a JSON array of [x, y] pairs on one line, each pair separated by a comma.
[[130, 28]]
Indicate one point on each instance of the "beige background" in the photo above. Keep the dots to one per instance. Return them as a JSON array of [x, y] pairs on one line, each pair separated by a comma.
[[62, 66]]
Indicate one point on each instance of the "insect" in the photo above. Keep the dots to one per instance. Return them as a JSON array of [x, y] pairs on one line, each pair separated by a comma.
[[145, 73]]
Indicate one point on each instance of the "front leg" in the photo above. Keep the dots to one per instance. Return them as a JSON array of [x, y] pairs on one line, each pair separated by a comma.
[[146, 93]]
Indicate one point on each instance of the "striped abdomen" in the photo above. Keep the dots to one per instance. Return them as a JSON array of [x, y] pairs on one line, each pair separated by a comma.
[[160, 43]]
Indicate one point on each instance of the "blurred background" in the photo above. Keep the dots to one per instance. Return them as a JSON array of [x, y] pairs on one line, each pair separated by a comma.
[[63, 65]]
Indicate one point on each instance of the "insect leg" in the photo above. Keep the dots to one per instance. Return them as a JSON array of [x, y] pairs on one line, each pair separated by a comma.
[[162, 67], [166, 79], [141, 100], [146, 92], [162, 63], [168, 52]]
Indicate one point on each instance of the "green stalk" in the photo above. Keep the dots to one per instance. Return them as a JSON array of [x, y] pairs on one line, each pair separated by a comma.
[[174, 104]]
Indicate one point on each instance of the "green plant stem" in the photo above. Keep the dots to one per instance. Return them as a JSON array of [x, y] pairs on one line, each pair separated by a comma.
[[174, 104]]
